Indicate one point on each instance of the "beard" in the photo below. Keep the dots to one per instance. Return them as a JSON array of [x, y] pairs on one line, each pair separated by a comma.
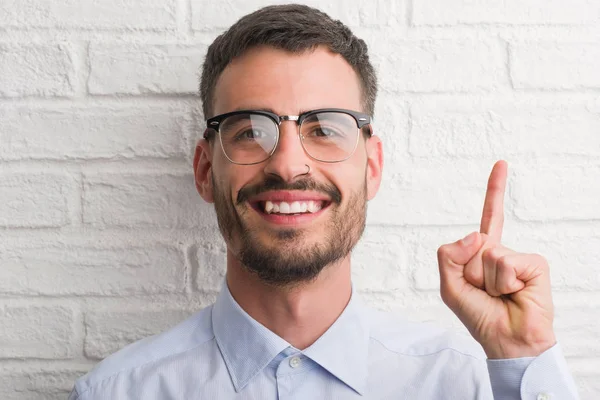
[[291, 258]]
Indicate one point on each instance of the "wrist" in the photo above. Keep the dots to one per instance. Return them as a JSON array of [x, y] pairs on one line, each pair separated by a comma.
[[503, 352]]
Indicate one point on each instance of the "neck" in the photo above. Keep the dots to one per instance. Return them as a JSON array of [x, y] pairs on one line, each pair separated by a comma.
[[299, 314]]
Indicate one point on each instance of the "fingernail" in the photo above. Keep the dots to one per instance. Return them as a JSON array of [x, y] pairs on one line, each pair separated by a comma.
[[469, 239]]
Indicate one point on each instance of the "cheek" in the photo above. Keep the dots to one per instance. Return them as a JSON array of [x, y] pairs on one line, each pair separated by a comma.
[[235, 177], [221, 181], [348, 177], [354, 171]]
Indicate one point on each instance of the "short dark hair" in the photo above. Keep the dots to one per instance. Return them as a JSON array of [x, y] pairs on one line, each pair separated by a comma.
[[292, 27]]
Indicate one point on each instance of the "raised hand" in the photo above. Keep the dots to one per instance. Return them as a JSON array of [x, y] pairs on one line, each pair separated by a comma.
[[501, 296]]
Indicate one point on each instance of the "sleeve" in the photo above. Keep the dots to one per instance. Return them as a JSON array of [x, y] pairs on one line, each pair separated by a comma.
[[545, 377]]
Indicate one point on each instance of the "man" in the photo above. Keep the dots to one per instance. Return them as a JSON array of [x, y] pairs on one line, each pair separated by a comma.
[[289, 160]]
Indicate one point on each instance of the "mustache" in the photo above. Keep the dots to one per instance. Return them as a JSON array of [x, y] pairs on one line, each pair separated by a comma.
[[274, 183]]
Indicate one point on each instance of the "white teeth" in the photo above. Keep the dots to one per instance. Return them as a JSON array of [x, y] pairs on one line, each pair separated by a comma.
[[314, 206], [295, 207], [268, 207], [284, 208]]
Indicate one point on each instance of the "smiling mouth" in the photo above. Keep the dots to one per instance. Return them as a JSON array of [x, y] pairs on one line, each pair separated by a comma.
[[290, 208]]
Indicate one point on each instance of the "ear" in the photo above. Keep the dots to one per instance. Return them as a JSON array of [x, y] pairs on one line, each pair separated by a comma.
[[203, 170], [374, 150]]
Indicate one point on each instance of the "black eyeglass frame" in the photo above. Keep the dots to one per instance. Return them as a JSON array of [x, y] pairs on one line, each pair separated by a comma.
[[362, 120]]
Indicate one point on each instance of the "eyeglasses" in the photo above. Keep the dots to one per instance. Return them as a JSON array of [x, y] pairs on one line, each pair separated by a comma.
[[250, 136]]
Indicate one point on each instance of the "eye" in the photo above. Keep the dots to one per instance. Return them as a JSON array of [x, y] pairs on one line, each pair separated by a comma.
[[325, 132], [251, 134], [322, 131]]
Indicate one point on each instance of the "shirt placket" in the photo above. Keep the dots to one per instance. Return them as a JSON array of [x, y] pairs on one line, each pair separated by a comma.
[[289, 374]]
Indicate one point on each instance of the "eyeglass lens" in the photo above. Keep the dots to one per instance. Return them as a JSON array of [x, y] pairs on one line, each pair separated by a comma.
[[251, 138]]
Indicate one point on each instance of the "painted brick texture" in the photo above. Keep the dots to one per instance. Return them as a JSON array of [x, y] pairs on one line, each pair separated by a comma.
[[37, 200], [89, 14], [144, 69], [88, 132], [28, 69], [104, 239]]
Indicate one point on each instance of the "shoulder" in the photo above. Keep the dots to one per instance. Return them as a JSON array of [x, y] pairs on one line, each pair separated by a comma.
[[189, 334], [418, 339]]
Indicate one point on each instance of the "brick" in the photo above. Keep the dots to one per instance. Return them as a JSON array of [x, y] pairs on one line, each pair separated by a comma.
[[391, 124], [440, 65], [511, 12], [475, 128], [69, 269], [38, 200], [95, 132], [553, 193], [212, 264], [36, 332], [107, 332], [35, 70], [432, 193], [143, 69], [379, 262], [552, 65], [35, 385], [205, 16], [144, 200], [89, 14], [381, 12], [577, 330]]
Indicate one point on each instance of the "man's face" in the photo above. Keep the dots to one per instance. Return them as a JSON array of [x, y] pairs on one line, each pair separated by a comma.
[[290, 248]]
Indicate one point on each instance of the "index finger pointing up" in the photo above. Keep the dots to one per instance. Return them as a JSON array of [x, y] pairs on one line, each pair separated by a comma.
[[492, 219]]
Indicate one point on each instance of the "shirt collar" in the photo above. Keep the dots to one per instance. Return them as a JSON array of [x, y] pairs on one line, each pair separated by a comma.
[[248, 347], [343, 349]]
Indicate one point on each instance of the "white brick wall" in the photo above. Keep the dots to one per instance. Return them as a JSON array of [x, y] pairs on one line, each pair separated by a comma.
[[104, 240], [89, 131], [28, 69]]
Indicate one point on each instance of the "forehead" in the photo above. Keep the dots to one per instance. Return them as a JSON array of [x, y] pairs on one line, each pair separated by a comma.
[[288, 83]]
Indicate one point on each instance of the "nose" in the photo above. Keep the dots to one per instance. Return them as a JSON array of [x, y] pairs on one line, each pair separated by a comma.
[[289, 159]]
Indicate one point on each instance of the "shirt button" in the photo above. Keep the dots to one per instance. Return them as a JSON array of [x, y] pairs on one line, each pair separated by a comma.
[[295, 362], [543, 396]]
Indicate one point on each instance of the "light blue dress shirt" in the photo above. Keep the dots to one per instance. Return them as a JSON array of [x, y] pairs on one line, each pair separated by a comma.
[[223, 353]]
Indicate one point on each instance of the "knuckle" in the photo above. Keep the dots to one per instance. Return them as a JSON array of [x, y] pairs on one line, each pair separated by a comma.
[[443, 251], [503, 262], [489, 254]]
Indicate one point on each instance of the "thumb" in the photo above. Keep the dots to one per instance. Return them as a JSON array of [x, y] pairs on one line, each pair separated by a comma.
[[460, 252]]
